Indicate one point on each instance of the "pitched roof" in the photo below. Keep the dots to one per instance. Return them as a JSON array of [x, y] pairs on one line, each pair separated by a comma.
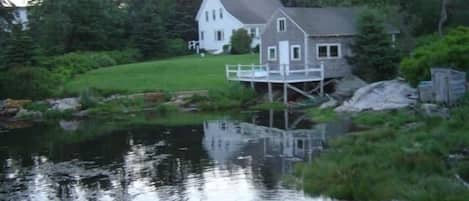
[[329, 20], [14, 3], [252, 11]]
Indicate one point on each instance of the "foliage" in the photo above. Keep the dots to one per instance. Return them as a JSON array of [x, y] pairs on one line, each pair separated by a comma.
[[450, 51], [277, 106], [38, 106], [27, 82], [374, 57], [388, 162], [240, 42], [322, 115], [176, 47], [235, 96], [19, 48], [88, 99], [175, 74]]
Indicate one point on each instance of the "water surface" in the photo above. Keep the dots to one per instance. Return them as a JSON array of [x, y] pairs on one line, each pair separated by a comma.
[[161, 158]]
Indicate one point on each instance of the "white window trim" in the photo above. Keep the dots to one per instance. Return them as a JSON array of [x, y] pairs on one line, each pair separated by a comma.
[[285, 24], [222, 35], [202, 35], [214, 14], [292, 54], [221, 13], [207, 16], [328, 45], [268, 53]]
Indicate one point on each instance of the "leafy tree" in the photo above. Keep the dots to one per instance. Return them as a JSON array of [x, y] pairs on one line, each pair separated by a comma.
[[240, 42], [374, 57], [450, 51]]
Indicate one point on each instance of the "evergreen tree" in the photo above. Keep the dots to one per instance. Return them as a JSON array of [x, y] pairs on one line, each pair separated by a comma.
[[19, 48], [149, 28], [374, 57]]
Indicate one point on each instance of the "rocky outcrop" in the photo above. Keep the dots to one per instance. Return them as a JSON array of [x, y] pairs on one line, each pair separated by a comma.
[[66, 104], [384, 95], [346, 87]]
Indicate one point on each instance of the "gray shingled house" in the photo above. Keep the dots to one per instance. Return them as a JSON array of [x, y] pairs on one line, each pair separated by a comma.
[[299, 37]]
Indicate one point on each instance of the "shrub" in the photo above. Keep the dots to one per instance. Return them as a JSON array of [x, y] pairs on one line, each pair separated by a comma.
[[19, 49], [27, 82], [125, 56], [240, 42], [176, 47], [374, 58], [256, 49], [450, 51], [88, 99]]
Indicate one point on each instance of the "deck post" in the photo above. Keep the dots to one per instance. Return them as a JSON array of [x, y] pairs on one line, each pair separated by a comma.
[[252, 76], [322, 80], [227, 68], [269, 84], [285, 86]]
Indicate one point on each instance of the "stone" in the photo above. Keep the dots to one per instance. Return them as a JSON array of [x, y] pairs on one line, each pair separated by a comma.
[[65, 104], [347, 86], [384, 95], [24, 114], [154, 97], [69, 125], [329, 104], [10, 103], [433, 110], [83, 113], [8, 112]]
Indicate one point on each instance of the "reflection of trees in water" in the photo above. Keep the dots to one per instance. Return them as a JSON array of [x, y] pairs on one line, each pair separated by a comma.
[[122, 165]]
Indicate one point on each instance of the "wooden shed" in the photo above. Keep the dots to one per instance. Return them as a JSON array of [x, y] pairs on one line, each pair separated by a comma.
[[448, 85]]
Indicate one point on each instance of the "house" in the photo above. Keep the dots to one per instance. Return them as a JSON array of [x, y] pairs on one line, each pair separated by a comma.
[[217, 19], [303, 45], [298, 37], [20, 10]]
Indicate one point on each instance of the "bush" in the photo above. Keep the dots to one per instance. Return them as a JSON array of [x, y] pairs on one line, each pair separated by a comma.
[[256, 49], [240, 42], [27, 82], [176, 47], [450, 51], [125, 56]]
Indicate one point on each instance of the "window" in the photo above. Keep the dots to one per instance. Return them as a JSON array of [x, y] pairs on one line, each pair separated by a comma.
[[295, 52], [221, 13], [206, 16], [253, 32], [219, 36], [281, 25], [272, 53], [328, 51], [214, 14], [201, 35]]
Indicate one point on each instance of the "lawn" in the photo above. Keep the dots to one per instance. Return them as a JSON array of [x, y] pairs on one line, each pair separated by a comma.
[[175, 74]]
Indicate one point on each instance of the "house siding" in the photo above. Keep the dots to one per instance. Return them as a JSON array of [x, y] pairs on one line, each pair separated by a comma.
[[270, 37], [333, 67]]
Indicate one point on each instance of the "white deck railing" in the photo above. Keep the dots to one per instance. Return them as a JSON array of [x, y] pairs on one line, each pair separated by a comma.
[[275, 73]]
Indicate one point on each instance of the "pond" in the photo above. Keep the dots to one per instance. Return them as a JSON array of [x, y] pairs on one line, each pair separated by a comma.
[[152, 157]]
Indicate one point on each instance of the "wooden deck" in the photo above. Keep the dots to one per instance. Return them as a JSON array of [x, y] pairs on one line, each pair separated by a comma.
[[279, 74]]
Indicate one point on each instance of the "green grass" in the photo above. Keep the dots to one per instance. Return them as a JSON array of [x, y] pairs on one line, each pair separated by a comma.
[[388, 162], [322, 115], [175, 74]]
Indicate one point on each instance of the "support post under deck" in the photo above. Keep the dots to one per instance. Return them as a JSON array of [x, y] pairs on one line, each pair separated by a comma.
[[271, 97], [285, 93]]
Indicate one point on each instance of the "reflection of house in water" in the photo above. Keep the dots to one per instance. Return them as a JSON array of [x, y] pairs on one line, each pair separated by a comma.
[[267, 138]]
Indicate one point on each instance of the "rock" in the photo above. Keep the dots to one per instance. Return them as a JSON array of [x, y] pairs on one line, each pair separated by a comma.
[[65, 104], [384, 95], [154, 97], [329, 104], [69, 125], [10, 103], [348, 85], [82, 113], [23, 114], [9, 112], [433, 110]]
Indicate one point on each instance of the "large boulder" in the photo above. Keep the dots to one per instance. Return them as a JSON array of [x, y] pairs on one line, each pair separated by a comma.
[[26, 114], [65, 104], [384, 95], [346, 87]]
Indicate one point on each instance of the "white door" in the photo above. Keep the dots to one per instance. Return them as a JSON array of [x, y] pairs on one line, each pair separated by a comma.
[[284, 56]]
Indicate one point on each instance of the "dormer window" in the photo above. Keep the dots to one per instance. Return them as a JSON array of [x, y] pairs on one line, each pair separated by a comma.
[[221, 13], [281, 25], [214, 14], [206, 16]]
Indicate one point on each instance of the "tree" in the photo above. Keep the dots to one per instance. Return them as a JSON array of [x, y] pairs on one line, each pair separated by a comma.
[[374, 57], [240, 42], [149, 28], [19, 48]]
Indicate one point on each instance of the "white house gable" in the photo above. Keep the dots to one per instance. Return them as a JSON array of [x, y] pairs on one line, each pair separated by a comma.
[[216, 25]]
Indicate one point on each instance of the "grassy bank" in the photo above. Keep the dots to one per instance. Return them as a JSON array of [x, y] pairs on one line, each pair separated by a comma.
[[175, 74], [403, 156]]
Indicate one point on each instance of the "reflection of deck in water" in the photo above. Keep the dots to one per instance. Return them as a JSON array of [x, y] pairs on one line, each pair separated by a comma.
[[227, 140]]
